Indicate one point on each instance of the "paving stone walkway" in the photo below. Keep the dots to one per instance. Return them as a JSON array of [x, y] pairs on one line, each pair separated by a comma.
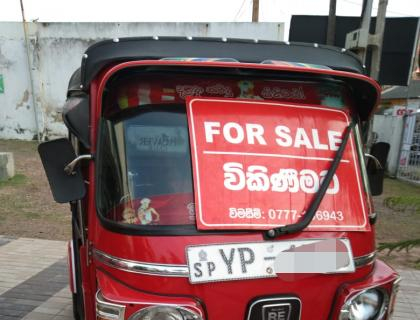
[[34, 283], [34, 280]]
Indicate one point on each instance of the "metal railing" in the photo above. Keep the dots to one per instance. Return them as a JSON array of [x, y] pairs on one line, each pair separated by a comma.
[[409, 160]]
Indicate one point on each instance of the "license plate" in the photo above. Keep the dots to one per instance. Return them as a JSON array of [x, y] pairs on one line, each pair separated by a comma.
[[240, 261]]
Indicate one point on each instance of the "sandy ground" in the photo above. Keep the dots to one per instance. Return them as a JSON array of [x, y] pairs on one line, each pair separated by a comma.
[[27, 207]]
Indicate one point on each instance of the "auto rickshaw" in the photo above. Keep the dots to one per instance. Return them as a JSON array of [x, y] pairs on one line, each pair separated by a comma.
[[219, 179]]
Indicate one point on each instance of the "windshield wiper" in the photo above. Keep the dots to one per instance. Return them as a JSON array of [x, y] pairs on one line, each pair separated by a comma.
[[310, 213]]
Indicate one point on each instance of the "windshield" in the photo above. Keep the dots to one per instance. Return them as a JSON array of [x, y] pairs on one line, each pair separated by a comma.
[[145, 168], [144, 161]]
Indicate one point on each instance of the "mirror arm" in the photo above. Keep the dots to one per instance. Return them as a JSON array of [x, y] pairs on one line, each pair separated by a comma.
[[377, 162], [69, 169]]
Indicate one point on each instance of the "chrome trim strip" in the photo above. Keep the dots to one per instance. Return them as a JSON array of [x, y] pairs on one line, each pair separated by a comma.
[[156, 269], [106, 314], [179, 270], [364, 260]]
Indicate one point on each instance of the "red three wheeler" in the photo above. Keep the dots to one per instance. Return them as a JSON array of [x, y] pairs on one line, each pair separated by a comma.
[[219, 179]]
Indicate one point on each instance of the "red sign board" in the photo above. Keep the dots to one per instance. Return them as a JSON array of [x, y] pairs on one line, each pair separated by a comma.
[[258, 164]]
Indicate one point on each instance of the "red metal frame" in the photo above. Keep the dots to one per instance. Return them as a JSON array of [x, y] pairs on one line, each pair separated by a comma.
[[224, 300]]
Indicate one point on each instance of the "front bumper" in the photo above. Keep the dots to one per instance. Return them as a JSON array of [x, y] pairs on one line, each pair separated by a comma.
[[132, 299]]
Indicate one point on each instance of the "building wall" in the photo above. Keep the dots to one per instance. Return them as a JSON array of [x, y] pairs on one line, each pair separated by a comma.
[[55, 51], [389, 126]]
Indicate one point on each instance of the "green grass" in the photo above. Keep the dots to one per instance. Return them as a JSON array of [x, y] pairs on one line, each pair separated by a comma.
[[396, 187], [401, 196], [16, 181], [32, 215], [402, 203]]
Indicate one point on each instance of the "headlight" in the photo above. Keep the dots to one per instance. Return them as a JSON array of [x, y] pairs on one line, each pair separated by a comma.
[[165, 313], [370, 304]]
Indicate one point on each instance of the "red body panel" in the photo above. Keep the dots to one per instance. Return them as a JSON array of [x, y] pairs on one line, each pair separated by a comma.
[[232, 295], [321, 294]]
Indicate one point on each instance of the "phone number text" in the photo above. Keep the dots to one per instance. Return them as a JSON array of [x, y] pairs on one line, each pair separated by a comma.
[[282, 214]]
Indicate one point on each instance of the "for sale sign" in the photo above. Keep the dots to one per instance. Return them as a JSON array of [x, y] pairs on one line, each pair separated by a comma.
[[258, 165]]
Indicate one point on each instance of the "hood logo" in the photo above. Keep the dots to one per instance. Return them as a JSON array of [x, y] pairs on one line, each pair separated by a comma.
[[202, 255]]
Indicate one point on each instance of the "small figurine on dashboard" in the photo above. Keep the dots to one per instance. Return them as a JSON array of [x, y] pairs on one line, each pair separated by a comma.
[[146, 213], [129, 216]]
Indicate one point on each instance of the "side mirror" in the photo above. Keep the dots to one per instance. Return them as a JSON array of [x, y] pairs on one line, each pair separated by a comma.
[[66, 185], [376, 167]]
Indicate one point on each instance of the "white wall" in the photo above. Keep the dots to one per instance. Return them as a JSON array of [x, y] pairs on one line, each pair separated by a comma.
[[55, 52], [389, 129]]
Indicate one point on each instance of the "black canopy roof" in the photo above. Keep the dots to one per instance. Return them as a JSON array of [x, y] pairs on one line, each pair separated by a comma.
[[105, 52]]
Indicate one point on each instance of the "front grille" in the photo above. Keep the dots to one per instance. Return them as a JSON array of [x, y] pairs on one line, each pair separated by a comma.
[[274, 308]]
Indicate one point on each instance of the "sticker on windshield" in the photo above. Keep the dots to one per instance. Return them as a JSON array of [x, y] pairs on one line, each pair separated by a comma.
[[157, 139], [259, 164]]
